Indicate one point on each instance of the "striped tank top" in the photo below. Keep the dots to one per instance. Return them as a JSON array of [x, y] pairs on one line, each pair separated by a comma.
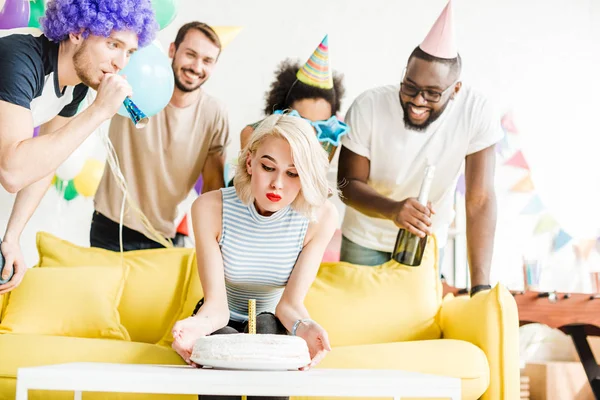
[[259, 253]]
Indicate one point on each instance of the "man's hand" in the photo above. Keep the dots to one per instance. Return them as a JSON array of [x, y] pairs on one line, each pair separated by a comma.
[[413, 216], [13, 259], [112, 91]]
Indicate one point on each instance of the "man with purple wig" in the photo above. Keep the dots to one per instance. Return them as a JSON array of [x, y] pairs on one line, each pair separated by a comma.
[[42, 81]]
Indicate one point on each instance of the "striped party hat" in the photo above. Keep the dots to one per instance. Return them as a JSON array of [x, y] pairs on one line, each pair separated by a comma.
[[315, 72]]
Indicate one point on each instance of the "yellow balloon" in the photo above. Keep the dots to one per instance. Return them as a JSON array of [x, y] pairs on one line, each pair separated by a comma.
[[87, 181], [226, 33]]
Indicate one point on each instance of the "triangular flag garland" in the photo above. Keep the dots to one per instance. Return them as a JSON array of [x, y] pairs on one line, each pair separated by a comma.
[[183, 227], [508, 124], [561, 239], [535, 206], [502, 146], [545, 224], [525, 185], [517, 160]]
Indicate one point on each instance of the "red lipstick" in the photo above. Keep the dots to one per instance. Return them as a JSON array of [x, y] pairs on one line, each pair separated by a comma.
[[273, 197]]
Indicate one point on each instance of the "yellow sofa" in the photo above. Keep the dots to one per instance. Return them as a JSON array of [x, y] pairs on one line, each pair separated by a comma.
[[82, 304]]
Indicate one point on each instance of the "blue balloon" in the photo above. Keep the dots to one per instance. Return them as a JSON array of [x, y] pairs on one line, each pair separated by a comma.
[[150, 75]]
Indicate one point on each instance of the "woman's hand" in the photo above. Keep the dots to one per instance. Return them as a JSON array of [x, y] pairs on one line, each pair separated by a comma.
[[317, 340], [185, 334]]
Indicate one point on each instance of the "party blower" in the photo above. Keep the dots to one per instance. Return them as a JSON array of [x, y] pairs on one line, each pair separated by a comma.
[[138, 117], [2, 265]]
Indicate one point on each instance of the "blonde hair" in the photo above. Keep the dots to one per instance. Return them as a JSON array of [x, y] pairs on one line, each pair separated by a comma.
[[309, 157]]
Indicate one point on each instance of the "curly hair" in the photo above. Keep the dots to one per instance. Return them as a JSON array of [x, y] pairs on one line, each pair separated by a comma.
[[286, 89], [99, 18]]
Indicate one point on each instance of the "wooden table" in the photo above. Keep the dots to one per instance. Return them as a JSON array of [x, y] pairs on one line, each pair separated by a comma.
[[576, 314], [166, 379]]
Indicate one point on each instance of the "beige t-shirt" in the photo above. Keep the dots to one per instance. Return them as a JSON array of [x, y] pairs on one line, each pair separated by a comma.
[[162, 162]]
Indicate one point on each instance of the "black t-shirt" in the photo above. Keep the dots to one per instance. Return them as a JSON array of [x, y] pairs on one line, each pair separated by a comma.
[[29, 78]]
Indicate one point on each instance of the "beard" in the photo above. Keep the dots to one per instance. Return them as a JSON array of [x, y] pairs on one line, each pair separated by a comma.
[[83, 67], [184, 87], [433, 116]]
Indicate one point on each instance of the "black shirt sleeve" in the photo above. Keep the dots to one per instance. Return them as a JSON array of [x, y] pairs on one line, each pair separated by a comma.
[[21, 70], [79, 94]]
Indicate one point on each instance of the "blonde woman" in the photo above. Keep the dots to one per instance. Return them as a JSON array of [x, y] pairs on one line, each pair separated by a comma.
[[264, 239]]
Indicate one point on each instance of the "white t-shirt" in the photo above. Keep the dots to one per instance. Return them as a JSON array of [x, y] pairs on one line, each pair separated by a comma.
[[398, 156]]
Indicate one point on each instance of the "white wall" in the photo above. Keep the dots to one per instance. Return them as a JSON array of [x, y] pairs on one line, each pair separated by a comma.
[[536, 58]]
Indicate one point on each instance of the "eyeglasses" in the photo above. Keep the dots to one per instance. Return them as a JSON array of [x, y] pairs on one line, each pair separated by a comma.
[[431, 96]]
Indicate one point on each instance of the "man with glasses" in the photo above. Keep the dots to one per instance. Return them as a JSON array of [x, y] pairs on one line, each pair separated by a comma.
[[395, 132]]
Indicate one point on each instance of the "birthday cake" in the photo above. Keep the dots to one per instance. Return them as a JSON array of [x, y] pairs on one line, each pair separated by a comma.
[[245, 351]]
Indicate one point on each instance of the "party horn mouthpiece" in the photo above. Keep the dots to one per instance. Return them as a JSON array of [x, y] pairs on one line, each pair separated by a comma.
[[139, 119], [2, 265]]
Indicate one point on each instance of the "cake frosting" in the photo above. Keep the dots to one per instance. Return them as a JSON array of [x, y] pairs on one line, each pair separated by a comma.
[[245, 350]]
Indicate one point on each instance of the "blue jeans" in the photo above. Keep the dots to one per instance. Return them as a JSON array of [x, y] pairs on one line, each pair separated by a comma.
[[359, 255]]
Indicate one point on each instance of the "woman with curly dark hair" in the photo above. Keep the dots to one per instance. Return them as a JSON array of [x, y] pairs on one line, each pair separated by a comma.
[[313, 91]]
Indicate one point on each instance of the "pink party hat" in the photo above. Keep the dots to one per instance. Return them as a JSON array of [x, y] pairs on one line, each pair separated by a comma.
[[439, 42], [316, 72]]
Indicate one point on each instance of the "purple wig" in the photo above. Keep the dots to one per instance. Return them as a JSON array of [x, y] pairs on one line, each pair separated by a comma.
[[99, 18]]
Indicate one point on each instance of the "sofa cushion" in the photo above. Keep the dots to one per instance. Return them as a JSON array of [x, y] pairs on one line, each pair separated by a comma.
[[453, 358], [193, 292], [154, 290], [35, 350], [489, 320], [432, 356], [58, 301], [387, 303]]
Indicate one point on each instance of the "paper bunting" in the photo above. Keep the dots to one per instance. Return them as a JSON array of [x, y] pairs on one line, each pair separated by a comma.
[[545, 224], [517, 160], [561, 239], [227, 34], [508, 124], [461, 185], [535, 206], [198, 185], [183, 227], [503, 146], [584, 248], [525, 185]]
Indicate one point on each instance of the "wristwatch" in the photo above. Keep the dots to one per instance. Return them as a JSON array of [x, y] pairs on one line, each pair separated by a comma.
[[478, 288]]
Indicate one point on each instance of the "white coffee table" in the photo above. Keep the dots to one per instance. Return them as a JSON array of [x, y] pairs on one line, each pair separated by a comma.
[[164, 379]]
